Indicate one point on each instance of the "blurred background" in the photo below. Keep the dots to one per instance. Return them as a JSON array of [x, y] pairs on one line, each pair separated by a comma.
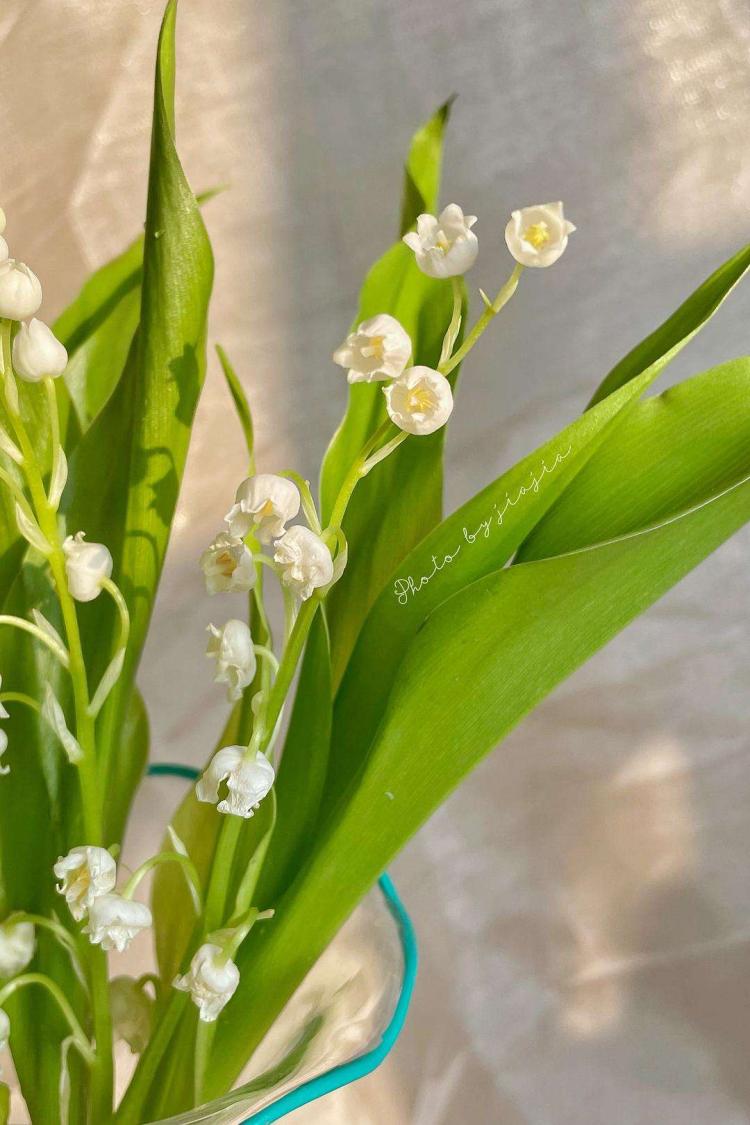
[[582, 902]]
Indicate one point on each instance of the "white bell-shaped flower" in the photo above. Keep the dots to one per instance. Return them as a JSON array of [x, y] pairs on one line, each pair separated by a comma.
[[17, 946], [264, 504], [232, 648], [20, 290], [228, 565], [211, 980], [85, 874], [132, 1012], [420, 402], [305, 561], [248, 780], [378, 349], [537, 236], [86, 564], [114, 921], [446, 246], [37, 352], [4, 251]]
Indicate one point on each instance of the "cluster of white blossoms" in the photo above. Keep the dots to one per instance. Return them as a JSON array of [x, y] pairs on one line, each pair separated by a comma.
[[88, 876], [37, 353], [419, 399], [263, 507]]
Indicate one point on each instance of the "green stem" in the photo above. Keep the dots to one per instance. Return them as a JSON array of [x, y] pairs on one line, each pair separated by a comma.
[[27, 979], [102, 1072], [20, 697], [353, 477], [491, 311], [37, 633], [163, 857]]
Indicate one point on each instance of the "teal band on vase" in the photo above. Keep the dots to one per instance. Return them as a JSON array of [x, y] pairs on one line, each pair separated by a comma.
[[357, 1068]]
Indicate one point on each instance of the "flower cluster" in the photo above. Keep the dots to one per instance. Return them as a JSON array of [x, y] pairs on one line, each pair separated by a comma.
[[87, 880]]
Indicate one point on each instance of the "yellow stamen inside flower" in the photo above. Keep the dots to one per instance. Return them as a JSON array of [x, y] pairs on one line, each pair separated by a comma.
[[226, 564], [266, 510], [420, 400], [537, 235], [374, 346], [442, 242]]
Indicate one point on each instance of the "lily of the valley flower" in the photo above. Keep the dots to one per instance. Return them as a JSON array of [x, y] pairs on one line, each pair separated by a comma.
[[228, 565], [420, 402], [20, 290], [249, 780], [132, 1012], [3, 243], [537, 236], [232, 649], [446, 246], [17, 945], [211, 980], [37, 352], [114, 921], [305, 561], [378, 349], [86, 564], [264, 504], [85, 874]]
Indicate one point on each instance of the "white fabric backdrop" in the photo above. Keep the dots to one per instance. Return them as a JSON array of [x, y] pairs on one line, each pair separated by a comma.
[[582, 902]]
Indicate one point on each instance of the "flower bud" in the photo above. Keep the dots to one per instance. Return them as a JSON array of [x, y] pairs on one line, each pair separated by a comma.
[[264, 503], [86, 564], [85, 874], [248, 780], [114, 921], [232, 649], [211, 981], [17, 946], [446, 246], [378, 349], [37, 353], [420, 402], [537, 236], [132, 1012], [20, 290], [305, 561]]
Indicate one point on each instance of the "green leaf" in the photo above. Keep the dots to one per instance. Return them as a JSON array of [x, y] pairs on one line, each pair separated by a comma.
[[482, 661], [423, 167], [241, 404], [680, 327], [98, 330], [143, 432], [302, 772]]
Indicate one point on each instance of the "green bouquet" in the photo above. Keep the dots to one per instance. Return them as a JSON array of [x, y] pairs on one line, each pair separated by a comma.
[[410, 645]]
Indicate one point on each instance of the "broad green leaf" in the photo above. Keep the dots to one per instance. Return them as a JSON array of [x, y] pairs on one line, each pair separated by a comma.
[[144, 430], [98, 330], [481, 662], [703, 423], [401, 500], [475, 540], [680, 327]]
